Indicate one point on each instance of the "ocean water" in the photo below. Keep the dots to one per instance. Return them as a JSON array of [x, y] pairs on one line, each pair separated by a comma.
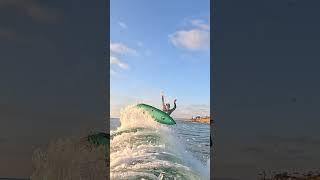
[[144, 149]]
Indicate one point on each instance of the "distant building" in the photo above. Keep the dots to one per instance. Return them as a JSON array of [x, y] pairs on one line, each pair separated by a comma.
[[203, 119]]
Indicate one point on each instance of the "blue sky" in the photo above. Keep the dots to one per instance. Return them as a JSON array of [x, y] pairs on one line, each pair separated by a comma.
[[160, 46]]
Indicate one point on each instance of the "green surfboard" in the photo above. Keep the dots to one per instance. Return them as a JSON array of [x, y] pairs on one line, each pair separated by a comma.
[[157, 114]]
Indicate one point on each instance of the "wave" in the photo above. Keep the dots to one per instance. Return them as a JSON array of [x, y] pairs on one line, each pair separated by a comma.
[[140, 148], [144, 149]]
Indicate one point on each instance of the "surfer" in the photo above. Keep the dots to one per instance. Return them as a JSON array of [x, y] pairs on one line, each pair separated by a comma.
[[166, 107]]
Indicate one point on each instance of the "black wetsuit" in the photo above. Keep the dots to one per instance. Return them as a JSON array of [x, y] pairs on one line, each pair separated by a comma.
[[168, 111]]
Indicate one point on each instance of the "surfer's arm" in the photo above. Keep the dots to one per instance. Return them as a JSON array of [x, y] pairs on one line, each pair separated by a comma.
[[174, 107], [164, 107]]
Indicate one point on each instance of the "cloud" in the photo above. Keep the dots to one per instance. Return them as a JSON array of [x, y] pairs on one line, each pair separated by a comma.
[[117, 49], [33, 9], [115, 61], [120, 48], [192, 39], [200, 24], [196, 38], [123, 25]]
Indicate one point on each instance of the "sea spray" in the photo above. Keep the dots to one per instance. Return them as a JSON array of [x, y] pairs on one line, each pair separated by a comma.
[[141, 148]]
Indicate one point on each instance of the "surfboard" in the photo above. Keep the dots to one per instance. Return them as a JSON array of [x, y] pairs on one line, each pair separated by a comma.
[[157, 114]]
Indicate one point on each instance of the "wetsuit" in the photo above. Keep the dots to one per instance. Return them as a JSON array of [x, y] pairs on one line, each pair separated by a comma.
[[168, 111]]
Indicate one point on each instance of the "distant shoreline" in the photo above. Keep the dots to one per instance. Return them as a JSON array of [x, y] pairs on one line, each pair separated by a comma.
[[203, 119]]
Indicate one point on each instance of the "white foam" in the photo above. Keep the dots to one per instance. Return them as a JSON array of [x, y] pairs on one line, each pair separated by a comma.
[[131, 156]]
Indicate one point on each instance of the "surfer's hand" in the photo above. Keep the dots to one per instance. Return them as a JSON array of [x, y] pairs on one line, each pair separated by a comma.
[[175, 100]]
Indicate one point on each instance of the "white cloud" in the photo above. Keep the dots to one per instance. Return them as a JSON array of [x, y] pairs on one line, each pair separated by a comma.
[[123, 25], [119, 48], [194, 39], [116, 50], [200, 24], [115, 61]]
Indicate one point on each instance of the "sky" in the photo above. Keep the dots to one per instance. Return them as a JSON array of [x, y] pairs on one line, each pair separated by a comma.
[[160, 46], [266, 61], [52, 74]]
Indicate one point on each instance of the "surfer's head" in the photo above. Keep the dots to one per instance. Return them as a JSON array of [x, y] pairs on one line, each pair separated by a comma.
[[168, 106]]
